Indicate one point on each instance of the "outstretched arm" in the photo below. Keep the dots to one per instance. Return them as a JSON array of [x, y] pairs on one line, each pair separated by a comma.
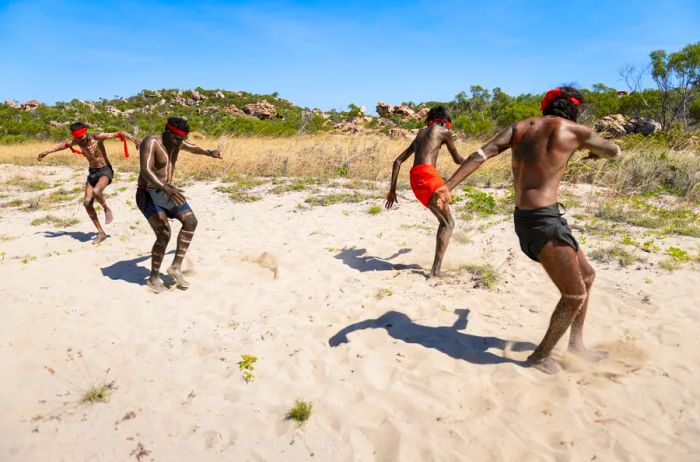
[[119, 134], [491, 149], [194, 149], [598, 146], [54, 148], [450, 142], [391, 196]]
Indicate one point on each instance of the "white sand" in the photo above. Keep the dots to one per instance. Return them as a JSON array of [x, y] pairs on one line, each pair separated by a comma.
[[421, 389]]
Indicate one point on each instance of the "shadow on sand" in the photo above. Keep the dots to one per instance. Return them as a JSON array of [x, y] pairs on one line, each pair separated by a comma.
[[77, 235], [128, 270], [448, 340], [358, 259]]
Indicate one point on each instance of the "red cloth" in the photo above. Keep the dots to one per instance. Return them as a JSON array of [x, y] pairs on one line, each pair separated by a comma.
[[446, 122], [425, 179], [551, 95], [76, 151], [176, 130], [121, 137]]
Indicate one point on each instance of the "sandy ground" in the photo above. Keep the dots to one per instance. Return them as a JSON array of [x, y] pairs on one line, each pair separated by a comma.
[[334, 304]]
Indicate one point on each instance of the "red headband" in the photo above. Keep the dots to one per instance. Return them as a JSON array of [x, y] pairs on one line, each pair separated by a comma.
[[79, 133], [439, 120], [551, 95], [176, 130]]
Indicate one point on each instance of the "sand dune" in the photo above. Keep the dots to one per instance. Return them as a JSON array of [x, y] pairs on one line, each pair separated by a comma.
[[334, 304]]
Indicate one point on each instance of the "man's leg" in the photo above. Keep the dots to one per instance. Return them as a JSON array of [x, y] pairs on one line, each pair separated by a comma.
[[562, 266], [189, 223], [89, 207], [102, 183], [159, 223], [447, 224], [576, 337]]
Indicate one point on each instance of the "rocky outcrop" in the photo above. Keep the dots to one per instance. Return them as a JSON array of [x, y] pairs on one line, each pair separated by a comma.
[[9, 102], [262, 110], [404, 112], [384, 110], [30, 105], [615, 125]]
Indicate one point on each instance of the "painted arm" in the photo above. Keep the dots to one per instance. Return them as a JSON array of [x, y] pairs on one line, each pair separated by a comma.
[[54, 148], [110, 136], [491, 149], [194, 149], [391, 196], [450, 142]]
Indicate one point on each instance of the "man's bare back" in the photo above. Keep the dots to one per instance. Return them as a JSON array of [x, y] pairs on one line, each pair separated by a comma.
[[428, 142]]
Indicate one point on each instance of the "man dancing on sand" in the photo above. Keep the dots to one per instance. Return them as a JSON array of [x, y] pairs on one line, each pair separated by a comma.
[[542, 147], [425, 178], [158, 200], [100, 172]]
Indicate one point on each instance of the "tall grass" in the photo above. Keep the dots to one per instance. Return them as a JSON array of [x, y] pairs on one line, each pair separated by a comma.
[[644, 168]]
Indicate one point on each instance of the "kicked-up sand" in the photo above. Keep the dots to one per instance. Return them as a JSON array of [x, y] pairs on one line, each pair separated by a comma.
[[334, 305]]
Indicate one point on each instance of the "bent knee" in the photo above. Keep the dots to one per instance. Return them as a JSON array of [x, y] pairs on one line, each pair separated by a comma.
[[88, 202], [589, 277], [189, 222], [163, 233]]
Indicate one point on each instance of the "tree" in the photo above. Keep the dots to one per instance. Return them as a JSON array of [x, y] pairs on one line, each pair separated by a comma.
[[677, 76]]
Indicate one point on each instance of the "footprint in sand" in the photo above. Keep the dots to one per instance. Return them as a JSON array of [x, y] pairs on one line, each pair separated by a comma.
[[265, 260]]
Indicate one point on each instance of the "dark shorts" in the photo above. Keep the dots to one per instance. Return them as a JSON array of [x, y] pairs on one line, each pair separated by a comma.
[[95, 174], [152, 200], [538, 226]]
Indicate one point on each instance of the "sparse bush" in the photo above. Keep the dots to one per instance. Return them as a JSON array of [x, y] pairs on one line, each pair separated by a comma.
[[300, 413]]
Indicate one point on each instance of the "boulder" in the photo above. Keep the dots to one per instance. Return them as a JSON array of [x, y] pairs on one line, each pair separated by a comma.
[[197, 96], [30, 105], [112, 110], [10, 103], [642, 125], [404, 111], [262, 110], [385, 110], [611, 126], [219, 94], [422, 113], [348, 128]]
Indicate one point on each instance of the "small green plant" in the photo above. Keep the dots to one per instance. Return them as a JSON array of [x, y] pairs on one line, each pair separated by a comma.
[[678, 254], [97, 393], [300, 413], [237, 193], [383, 292], [245, 365], [614, 253], [670, 264], [336, 198], [483, 275], [478, 202], [627, 240], [374, 210]]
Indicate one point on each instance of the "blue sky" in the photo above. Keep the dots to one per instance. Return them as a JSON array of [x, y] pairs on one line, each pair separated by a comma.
[[328, 54]]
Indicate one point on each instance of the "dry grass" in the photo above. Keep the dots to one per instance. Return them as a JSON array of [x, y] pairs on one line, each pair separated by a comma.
[[642, 169]]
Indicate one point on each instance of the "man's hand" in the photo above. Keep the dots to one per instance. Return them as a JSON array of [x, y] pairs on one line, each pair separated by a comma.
[[444, 196], [391, 199], [40, 157], [214, 153], [176, 194]]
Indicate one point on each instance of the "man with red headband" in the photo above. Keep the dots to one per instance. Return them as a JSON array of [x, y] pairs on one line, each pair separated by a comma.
[[100, 172], [541, 148], [425, 178], [158, 200]]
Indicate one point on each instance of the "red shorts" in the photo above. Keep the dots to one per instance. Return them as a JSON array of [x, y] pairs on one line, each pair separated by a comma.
[[425, 179]]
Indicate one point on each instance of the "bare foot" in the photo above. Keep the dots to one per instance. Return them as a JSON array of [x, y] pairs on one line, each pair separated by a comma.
[[176, 272], [99, 238], [108, 216], [156, 286], [546, 365], [592, 356]]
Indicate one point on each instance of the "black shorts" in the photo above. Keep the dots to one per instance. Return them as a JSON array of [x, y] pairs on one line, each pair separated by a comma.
[[536, 227], [152, 200], [95, 174]]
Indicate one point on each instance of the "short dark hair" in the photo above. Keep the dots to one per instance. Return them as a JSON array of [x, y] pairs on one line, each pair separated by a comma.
[[77, 126], [437, 112], [561, 106], [179, 123]]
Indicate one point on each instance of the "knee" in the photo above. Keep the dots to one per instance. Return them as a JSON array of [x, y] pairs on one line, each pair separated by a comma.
[[589, 277], [189, 222], [87, 202], [450, 223], [163, 234]]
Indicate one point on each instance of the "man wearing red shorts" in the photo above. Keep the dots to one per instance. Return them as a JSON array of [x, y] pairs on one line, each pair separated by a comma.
[[425, 178]]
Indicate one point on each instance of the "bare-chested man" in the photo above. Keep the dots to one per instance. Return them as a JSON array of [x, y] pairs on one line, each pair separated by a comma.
[[100, 171], [542, 147], [425, 178], [158, 200]]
